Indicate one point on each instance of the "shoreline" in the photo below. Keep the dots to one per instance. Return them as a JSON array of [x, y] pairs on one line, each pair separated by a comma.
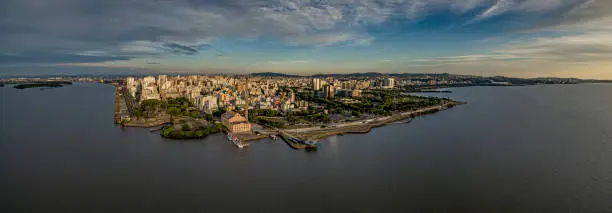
[[359, 127], [307, 133], [317, 133]]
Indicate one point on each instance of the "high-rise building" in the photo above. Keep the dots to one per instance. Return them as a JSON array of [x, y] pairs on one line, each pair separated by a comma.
[[149, 80], [329, 91], [246, 103], [161, 80], [389, 83], [130, 81], [316, 84], [132, 86]]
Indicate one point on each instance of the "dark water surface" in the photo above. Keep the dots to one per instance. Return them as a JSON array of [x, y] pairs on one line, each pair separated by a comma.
[[511, 149]]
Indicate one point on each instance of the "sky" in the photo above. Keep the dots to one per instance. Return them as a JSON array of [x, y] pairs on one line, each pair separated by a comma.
[[519, 38]]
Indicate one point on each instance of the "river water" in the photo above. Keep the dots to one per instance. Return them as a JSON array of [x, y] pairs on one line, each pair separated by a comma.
[[510, 149]]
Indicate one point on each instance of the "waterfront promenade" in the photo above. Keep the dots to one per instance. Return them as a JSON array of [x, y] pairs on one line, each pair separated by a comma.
[[362, 126]]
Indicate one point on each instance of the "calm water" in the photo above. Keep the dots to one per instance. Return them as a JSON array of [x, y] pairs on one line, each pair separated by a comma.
[[511, 149]]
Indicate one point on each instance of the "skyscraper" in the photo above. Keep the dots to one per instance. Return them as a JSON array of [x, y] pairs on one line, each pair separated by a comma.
[[316, 84], [389, 83], [161, 79], [329, 91], [246, 102]]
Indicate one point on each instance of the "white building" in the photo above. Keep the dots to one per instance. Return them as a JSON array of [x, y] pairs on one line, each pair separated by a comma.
[[148, 93], [316, 84], [389, 83], [161, 80], [149, 80], [207, 104], [132, 85]]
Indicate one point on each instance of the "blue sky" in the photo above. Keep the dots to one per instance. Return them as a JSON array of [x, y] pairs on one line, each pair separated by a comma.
[[524, 38]]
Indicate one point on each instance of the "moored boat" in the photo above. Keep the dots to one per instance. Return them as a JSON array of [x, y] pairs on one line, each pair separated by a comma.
[[236, 141], [239, 143], [273, 137], [310, 145]]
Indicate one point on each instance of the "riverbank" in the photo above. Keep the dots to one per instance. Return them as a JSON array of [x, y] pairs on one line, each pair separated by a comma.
[[364, 126], [308, 133], [148, 122], [315, 133]]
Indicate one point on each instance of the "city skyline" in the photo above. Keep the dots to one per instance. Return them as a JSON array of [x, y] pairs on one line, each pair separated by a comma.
[[557, 38]]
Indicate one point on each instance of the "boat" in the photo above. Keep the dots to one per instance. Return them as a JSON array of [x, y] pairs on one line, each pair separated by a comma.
[[236, 141], [310, 143], [239, 144], [274, 137]]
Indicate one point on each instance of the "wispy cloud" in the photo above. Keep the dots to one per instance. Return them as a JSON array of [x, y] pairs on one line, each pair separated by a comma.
[[285, 62], [180, 49], [469, 58], [89, 31]]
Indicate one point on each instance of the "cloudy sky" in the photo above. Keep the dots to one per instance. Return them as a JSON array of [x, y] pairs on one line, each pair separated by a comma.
[[525, 38]]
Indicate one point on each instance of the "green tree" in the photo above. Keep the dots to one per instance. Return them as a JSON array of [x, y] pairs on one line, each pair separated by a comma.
[[209, 117], [199, 133], [185, 127], [219, 112], [291, 118], [194, 114]]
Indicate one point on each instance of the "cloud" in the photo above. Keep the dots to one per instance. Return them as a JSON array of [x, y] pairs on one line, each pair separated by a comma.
[[475, 58], [328, 39], [582, 47], [41, 31], [286, 62], [548, 13], [363, 41], [180, 49], [578, 52], [129, 28], [17, 59]]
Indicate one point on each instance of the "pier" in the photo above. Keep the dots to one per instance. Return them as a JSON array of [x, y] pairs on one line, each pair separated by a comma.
[[296, 143], [291, 141]]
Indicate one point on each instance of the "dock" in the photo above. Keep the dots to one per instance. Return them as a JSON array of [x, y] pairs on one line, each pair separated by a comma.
[[296, 143], [250, 136]]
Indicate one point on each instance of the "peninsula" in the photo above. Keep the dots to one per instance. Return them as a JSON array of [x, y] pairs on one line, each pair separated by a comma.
[[299, 109], [257, 106]]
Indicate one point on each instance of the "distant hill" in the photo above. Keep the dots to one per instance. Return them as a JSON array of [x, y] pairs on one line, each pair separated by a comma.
[[351, 75], [272, 74], [399, 75]]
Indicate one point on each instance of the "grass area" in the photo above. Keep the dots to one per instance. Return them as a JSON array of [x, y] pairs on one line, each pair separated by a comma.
[[322, 111], [172, 106], [189, 131]]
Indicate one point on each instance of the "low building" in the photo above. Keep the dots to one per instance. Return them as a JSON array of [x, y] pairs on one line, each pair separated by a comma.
[[235, 122]]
